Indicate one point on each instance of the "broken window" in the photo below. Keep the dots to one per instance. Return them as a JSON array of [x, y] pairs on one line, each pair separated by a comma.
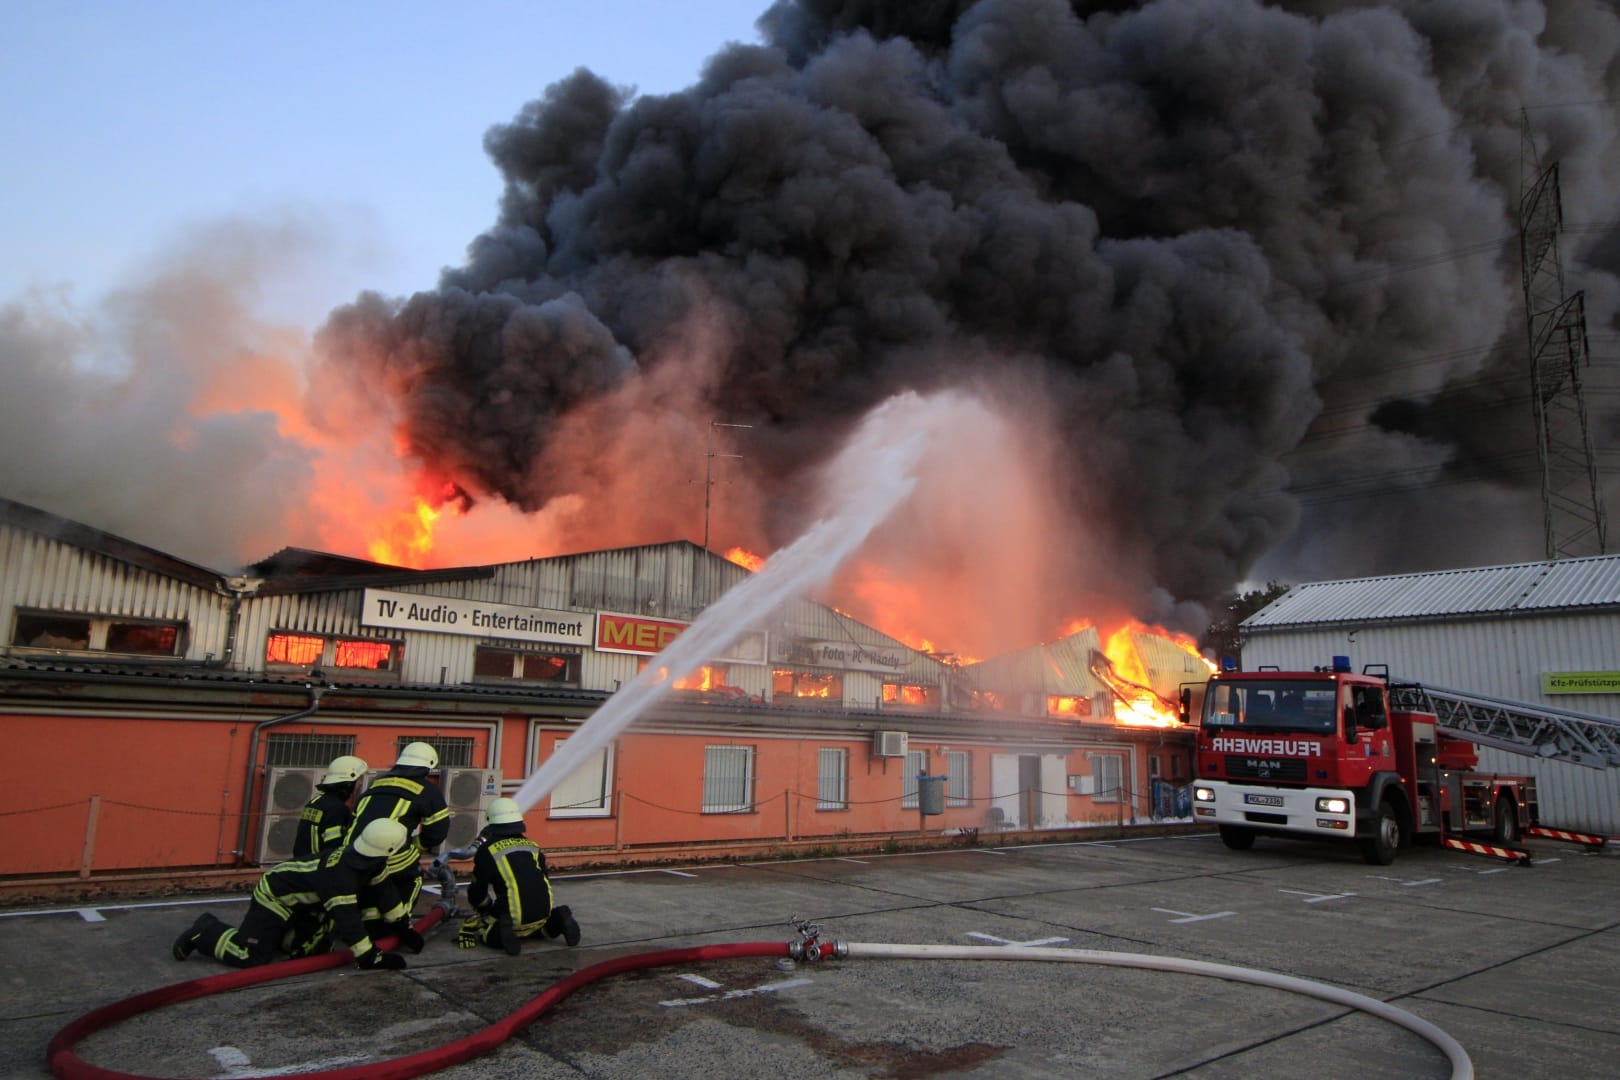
[[1068, 705], [806, 687], [493, 663], [51, 632], [148, 639], [905, 694]]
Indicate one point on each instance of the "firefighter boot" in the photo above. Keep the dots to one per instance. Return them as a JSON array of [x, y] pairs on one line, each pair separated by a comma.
[[507, 935], [561, 924], [186, 943]]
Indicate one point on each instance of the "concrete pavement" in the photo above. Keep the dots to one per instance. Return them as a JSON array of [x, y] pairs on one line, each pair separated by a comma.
[[1520, 965]]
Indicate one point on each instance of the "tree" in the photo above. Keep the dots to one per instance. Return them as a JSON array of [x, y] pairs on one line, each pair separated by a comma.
[[1221, 638]]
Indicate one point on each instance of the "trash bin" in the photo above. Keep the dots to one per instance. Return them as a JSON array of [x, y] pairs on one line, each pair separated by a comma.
[[930, 793]]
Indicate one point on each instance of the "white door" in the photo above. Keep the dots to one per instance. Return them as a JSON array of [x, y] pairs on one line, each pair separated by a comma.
[[1054, 793], [1004, 788]]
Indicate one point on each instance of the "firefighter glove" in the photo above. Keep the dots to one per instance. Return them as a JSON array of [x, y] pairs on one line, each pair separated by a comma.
[[408, 937], [467, 936], [376, 958]]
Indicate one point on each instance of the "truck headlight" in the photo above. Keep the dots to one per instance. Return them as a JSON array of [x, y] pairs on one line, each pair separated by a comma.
[[1332, 806], [1204, 794]]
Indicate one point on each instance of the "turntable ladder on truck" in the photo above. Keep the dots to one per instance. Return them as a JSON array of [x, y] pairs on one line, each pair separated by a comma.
[[1520, 728]]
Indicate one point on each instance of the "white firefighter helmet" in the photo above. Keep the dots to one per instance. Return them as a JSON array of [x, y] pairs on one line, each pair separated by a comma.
[[345, 769], [504, 811], [381, 838], [419, 754]]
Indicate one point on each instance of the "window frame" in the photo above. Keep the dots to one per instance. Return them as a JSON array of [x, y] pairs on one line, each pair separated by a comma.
[[916, 762], [604, 772], [712, 780], [1101, 764], [98, 628], [837, 778], [959, 778]]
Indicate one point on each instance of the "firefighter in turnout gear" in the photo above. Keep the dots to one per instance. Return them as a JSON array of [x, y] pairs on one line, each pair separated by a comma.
[[324, 822], [330, 885], [322, 825], [406, 795], [510, 892]]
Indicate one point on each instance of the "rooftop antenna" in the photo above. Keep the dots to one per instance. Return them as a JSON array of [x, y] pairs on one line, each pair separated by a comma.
[[709, 454]]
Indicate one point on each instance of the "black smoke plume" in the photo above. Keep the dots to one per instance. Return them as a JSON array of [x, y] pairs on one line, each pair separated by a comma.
[[1251, 266]]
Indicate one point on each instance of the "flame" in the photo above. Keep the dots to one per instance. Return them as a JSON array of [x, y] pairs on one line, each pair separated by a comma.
[[1137, 702], [408, 539], [744, 557], [704, 678]]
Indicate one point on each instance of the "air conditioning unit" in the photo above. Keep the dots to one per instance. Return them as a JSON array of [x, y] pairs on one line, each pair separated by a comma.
[[286, 792], [889, 743], [468, 792]]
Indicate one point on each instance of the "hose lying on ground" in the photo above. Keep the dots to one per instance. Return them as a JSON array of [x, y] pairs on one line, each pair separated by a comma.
[[67, 1066]]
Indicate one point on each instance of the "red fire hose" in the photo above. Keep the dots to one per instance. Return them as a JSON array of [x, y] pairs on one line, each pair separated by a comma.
[[66, 1065]]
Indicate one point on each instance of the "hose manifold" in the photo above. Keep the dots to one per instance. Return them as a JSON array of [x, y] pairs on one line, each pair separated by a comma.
[[810, 946]]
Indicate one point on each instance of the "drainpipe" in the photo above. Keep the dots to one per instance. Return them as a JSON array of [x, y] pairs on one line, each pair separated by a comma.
[[315, 693], [239, 589]]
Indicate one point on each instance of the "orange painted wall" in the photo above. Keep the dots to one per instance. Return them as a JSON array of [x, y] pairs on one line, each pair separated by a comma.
[[171, 789]]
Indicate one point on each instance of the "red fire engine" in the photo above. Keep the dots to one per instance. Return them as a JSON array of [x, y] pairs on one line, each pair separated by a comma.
[[1330, 753]]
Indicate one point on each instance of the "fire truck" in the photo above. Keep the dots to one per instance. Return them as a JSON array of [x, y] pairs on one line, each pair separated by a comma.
[[1332, 753]]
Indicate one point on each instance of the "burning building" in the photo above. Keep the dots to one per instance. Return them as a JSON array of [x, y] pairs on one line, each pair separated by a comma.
[[177, 717]]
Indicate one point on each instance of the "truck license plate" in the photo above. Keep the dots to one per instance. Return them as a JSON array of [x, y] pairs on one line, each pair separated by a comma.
[[1263, 800]]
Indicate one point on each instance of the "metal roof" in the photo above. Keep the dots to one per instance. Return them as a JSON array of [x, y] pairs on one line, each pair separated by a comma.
[[1553, 585]]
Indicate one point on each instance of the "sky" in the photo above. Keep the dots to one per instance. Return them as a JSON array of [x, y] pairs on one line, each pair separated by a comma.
[[359, 124]]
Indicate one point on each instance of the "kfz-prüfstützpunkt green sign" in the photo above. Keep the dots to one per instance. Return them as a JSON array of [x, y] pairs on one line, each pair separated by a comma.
[[1580, 682]]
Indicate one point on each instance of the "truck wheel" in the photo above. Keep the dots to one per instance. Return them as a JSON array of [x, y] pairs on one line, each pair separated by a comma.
[[1507, 822], [1237, 838], [1379, 848]]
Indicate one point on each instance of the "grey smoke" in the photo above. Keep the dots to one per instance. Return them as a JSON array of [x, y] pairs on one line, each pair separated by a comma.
[[1236, 247]]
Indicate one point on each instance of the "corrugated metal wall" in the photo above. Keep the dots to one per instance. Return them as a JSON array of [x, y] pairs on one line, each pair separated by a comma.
[[1497, 657], [39, 572]]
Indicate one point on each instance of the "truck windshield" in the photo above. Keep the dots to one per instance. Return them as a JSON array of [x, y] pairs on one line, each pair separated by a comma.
[[1280, 705]]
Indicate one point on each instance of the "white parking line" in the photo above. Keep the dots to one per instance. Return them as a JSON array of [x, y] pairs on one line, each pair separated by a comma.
[[1016, 944], [1316, 898], [707, 984], [766, 988], [1187, 916], [94, 913]]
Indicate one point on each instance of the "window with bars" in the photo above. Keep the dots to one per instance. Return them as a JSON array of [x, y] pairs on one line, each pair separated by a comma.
[[916, 762], [728, 779], [958, 787], [584, 792], [832, 778], [283, 649], [305, 751], [1107, 771], [455, 751]]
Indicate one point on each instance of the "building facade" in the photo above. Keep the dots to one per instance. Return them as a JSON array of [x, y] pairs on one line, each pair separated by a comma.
[[163, 715]]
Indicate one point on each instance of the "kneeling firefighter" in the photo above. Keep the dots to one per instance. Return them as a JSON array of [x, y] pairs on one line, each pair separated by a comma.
[[510, 892], [329, 887], [406, 795]]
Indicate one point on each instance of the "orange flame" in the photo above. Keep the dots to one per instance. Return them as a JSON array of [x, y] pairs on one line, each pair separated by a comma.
[[744, 557], [1137, 701], [408, 539]]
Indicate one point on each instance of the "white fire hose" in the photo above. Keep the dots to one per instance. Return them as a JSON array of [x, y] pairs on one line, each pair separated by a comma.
[[1462, 1068]]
